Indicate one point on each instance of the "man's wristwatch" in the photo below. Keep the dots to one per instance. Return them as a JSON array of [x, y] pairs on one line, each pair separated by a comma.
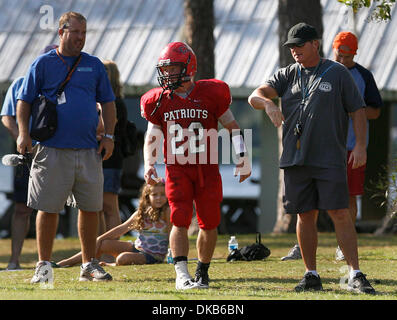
[[110, 136]]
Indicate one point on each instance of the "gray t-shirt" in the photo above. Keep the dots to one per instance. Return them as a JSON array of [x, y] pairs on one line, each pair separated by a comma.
[[331, 95]]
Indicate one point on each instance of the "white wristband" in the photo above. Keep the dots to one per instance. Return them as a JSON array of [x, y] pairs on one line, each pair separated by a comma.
[[239, 145]]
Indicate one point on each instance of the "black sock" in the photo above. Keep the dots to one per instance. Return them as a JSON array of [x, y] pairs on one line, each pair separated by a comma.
[[179, 258]]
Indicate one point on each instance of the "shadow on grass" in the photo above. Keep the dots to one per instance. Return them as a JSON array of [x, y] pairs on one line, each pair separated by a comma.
[[259, 283], [28, 258]]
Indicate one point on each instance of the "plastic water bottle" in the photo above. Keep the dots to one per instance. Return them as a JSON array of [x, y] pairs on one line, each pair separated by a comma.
[[169, 257], [232, 244]]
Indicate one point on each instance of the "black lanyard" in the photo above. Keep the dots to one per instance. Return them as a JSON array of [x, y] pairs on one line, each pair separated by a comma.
[[306, 89]]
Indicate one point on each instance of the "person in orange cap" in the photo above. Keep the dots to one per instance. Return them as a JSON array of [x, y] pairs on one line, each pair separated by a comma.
[[345, 47]]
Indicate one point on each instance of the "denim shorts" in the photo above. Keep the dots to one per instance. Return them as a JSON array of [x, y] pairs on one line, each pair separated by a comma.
[[112, 180], [149, 258], [21, 183]]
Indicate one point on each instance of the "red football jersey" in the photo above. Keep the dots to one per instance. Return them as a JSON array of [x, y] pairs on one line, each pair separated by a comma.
[[190, 124]]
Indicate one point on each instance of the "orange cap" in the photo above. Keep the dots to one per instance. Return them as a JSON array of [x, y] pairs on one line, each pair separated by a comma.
[[347, 39]]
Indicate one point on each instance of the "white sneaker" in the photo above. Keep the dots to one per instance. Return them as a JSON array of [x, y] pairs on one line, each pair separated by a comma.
[[339, 254], [94, 272], [43, 273], [183, 279], [293, 254], [184, 283]]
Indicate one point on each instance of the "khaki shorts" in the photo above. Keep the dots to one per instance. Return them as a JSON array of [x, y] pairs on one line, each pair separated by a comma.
[[56, 173]]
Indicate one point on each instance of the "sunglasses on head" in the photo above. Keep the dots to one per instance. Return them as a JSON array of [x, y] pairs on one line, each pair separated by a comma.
[[298, 45]]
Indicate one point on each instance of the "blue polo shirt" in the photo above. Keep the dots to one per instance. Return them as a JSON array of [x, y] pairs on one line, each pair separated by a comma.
[[78, 116], [369, 91], [10, 102]]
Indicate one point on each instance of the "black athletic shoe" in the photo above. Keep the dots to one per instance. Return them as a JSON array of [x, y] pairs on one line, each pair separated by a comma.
[[360, 284], [202, 280], [309, 282]]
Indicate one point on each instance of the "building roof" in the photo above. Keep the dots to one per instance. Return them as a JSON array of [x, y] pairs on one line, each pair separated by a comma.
[[132, 33]]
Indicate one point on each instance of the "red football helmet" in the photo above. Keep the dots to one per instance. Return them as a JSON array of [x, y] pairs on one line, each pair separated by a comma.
[[176, 53]]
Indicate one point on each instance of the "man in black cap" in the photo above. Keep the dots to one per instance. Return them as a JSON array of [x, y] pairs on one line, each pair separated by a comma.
[[299, 34], [317, 97]]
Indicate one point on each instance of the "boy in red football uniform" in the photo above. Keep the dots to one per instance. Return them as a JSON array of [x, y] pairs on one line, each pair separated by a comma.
[[186, 113]]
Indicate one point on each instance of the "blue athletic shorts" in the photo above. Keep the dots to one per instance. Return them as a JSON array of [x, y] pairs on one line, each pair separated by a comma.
[[112, 180]]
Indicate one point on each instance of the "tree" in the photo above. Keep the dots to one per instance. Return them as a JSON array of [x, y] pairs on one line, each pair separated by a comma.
[[291, 12], [381, 12], [199, 34]]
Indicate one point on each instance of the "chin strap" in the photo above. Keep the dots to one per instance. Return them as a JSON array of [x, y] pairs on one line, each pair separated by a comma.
[[158, 103], [172, 89]]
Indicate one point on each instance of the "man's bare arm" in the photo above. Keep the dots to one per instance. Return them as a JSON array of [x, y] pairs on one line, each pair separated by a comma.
[[151, 151], [261, 99], [24, 141], [10, 124], [109, 121]]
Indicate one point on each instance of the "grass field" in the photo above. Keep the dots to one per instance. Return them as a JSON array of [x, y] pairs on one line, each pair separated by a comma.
[[270, 279]]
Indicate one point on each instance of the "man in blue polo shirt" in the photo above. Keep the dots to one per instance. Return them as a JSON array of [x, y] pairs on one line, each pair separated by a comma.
[[70, 161]]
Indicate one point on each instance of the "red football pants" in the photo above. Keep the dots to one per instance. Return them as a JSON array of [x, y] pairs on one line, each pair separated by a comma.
[[198, 184]]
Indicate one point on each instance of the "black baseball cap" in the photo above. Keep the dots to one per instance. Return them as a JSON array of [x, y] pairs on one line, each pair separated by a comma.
[[301, 33]]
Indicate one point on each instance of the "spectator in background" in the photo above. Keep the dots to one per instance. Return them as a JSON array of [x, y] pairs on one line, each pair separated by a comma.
[[72, 155], [345, 47], [112, 168], [20, 222]]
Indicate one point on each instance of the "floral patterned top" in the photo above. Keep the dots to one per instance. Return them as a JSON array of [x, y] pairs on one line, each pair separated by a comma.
[[153, 239]]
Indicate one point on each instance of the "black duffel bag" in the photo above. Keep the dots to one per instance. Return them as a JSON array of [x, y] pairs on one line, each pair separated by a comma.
[[44, 111], [44, 119], [256, 251]]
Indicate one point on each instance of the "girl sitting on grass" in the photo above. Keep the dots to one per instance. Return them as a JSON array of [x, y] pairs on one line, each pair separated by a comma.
[[152, 222]]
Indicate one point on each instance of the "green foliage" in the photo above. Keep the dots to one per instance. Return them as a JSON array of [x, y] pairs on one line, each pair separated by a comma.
[[384, 191], [381, 12]]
